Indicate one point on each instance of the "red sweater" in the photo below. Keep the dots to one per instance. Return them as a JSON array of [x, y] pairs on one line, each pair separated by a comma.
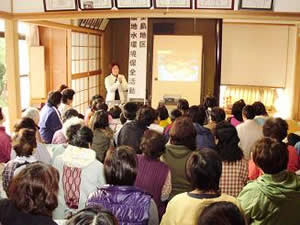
[[293, 164], [5, 146]]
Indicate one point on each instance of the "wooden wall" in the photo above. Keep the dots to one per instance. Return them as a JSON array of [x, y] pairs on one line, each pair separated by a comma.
[[116, 44], [296, 103]]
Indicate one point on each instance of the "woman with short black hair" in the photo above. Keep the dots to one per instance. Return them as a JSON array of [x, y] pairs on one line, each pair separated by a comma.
[[236, 112], [153, 175], [66, 100], [81, 173], [128, 203], [32, 196], [203, 170], [50, 120]]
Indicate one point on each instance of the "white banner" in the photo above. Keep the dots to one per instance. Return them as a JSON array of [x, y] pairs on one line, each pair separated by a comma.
[[137, 70]]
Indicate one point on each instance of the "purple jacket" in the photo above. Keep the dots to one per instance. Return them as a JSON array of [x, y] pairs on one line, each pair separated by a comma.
[[49, 123], [129, 204], [5, 146]]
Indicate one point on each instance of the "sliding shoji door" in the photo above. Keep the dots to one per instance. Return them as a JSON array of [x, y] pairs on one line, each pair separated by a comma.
[[85, 68]]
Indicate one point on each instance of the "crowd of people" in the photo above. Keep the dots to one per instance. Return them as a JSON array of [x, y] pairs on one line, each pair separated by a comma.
[[133, 164]]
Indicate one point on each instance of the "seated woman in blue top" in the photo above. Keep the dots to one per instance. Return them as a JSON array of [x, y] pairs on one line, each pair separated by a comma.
[[50, 121]]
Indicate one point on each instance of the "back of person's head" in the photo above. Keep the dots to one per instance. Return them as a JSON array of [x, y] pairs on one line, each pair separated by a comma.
[[130, 110], [69, 114], [270, 155], [71, 131], [183, 105], [120, 166], [248, 112], [217, 114], [25, 123], [1, 114], [97, 105], [32, 113], [175, 113], [83, 138], [153, 144], [34, 190], [24, 142], [228, 142], [210, 102], [100, 120], [293, 139], [103, 107], [94, 98], [221, 213], [145, 115], [183, 133], [54, 98], [122, 119], [204, 169], [276, 128], [93, 216], [62, 87], [163, 112], [259, 109], [197, 114], [67, 94], [237, 109], [115, 112]]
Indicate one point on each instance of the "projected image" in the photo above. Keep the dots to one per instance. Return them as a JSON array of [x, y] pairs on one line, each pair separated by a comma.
[[172, 67]]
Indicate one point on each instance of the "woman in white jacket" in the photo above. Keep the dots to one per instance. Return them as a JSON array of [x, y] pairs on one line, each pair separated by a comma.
[[116, 86], [80, 174]]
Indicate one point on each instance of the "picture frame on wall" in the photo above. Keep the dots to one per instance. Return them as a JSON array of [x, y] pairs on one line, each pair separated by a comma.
[[133, 4], [256, 4], [95, 4], [60, 5], [173, 4], [214, 4]]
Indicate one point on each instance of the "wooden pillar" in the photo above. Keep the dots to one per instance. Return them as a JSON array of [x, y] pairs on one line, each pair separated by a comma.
[[13, 77], [296, 102]]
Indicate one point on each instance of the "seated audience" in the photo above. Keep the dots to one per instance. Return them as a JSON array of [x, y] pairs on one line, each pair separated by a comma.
[[155, 125], [128, 115], [50, 121], [181, 145], [24, 144], [163, 115], [34, 114], [95, 103], [66, 100], [204, 138], [203, 169], [128, 203], [209, 103], [276, 128], [5, 141], [217, 115], [59, 136], [32, 197], [183, 106], [115, 113], [103, 135], [93, 216], [81, 174], [234, 166], [41, 152], [274, 198], [131, 133], [175, 113], [154, 176], [236, 111], [249, 131], [261, 115], [221, 213]]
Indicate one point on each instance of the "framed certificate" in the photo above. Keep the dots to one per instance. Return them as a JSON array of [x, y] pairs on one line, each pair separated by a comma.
[[133, 4], [95, 4], [214, 4], [173, 4], [60, 5], [256, 4]]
